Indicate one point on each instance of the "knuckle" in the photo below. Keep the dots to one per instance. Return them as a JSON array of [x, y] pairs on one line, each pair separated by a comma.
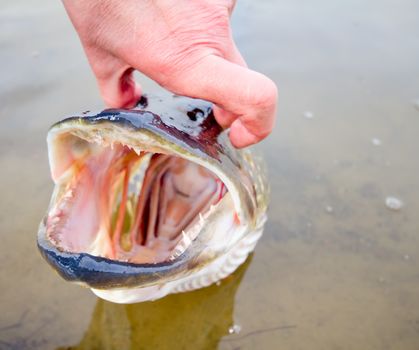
[[265, 95], [166, 69]]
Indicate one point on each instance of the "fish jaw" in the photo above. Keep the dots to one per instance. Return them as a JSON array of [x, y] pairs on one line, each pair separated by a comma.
[[217, 232], [217, 270]]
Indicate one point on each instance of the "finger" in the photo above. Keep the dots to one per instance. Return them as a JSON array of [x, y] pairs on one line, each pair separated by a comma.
[[224, 117], [240, 91], [115, 79], [231, 7], [119, 90], [233, 55]]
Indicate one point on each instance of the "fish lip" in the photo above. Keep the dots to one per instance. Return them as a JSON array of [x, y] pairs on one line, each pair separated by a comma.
[[103, 273], [171, 124], [208, 142]]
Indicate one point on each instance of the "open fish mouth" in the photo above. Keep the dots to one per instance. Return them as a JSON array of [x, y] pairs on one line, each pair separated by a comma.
[[149, 198], [135, 207]]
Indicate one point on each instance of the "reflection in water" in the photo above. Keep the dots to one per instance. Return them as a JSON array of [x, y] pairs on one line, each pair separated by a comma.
[[193, 320]]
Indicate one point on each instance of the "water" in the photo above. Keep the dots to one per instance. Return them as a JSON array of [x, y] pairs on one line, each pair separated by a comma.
[[234, 329], [376, 141], [394, 203], [308, 115], [348, 279]]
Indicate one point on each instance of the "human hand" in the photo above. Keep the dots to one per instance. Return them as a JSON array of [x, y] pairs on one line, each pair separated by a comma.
[[185, 46]]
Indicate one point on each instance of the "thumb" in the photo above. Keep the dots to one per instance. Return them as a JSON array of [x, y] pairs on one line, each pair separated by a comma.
[[248, 95]]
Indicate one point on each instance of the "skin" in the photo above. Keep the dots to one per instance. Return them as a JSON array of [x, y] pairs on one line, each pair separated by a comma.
[[186, 47]]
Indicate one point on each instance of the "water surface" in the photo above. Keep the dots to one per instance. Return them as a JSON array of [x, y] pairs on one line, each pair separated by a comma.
[[335, 269]]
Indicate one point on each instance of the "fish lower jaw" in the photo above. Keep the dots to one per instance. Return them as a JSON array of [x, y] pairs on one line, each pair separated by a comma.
[[212, 273]]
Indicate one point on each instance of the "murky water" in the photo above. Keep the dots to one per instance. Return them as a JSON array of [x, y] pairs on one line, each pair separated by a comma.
[[336, 268]]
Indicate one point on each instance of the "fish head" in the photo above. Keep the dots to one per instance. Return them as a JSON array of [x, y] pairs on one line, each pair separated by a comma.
[[149, 201]]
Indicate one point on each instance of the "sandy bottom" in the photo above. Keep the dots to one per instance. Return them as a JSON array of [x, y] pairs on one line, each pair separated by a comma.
[[335, 269]]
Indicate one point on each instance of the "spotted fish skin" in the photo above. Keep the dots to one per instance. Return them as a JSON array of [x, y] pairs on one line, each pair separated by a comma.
[[185, 128]]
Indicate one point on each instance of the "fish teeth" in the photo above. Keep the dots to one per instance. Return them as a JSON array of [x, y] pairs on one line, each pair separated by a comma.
[[56, 212], [98, 138], [137, 150], [201, 219], [61, 207], [186, 238], [181, 246]]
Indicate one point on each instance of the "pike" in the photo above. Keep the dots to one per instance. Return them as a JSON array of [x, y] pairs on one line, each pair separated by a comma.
[[150, 201]]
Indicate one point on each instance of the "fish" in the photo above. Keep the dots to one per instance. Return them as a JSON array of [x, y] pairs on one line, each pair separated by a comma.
[[151, 200]]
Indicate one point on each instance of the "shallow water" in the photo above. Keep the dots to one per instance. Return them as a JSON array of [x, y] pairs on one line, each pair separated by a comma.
[[335, 269]]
